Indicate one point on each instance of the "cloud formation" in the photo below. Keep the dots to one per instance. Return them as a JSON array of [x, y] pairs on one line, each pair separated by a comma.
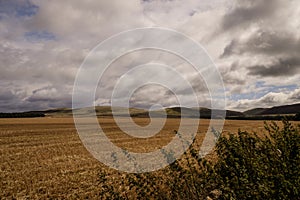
[[247, 12], [43, 44], [287, 67], [268, 100]]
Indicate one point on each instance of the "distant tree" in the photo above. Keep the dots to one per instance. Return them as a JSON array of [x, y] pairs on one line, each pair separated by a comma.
[[297, 117], [22, 115]]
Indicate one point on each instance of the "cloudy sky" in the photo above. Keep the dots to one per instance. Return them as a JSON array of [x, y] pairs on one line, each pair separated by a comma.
[[255, 45]]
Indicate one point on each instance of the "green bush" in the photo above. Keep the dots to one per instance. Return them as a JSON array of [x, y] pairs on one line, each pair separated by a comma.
[[253, 167]]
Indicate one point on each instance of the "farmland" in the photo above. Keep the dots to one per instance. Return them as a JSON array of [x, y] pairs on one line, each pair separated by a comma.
[[44, 157]]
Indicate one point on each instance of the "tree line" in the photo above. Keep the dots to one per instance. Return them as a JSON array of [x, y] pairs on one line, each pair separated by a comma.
[[22, 115]]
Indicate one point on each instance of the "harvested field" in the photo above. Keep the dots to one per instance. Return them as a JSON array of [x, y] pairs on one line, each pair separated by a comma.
[[44, 157]]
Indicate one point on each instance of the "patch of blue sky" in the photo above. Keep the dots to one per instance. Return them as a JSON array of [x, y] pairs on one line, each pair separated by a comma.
[[251, 95], [259, 84], [284, 88], [36, 36], [27, 10], [262, 89], [17, 8]]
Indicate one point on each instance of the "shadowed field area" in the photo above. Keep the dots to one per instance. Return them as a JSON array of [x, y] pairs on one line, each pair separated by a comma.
[[44, 157]]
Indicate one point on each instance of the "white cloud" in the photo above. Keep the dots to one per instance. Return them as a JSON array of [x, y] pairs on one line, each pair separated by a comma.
[[260, 36], [268, 100]]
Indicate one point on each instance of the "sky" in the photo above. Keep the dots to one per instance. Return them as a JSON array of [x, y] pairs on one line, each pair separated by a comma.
[[255, 45]]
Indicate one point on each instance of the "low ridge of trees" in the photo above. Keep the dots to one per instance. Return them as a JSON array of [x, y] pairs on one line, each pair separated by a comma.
[[22, 115], [297, 117]]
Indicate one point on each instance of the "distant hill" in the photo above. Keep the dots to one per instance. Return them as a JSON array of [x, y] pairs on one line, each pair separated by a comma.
[[255, 111], [101, 111], [277, 110], [172, 112], [194, 112], [274, 113], [58, 111]]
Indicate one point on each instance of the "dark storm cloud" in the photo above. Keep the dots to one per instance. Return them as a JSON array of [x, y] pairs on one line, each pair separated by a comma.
[[266, 36], [48, 97], [262, 28], [6, 96], [263, 42], [282, 67], [41, 89], [16, 100], [48, 103], [10, 102], [49, 93], [248, 11]]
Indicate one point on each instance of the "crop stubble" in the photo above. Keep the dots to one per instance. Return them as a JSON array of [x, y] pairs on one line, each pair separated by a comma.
[[44, 157]]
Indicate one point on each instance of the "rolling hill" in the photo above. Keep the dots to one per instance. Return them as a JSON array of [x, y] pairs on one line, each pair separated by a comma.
[[254, 111], [101, 111], [277, 110], [171, 112]]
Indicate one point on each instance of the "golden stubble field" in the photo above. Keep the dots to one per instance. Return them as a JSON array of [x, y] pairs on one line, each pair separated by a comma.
[[44, 157]]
